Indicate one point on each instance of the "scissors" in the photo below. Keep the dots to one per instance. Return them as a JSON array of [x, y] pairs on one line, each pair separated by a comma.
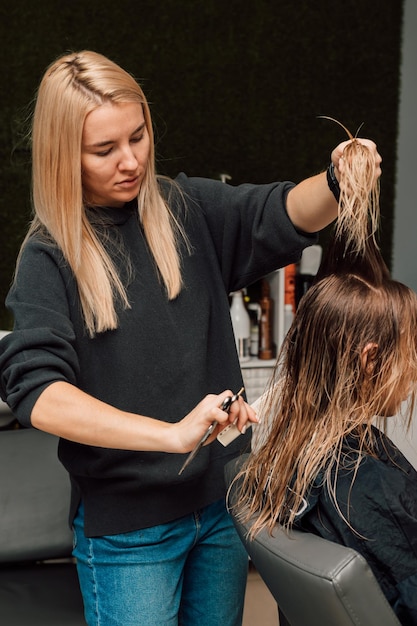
[[226, 404]]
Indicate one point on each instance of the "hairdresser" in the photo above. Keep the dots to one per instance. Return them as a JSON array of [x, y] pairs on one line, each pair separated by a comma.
[[123, 344]]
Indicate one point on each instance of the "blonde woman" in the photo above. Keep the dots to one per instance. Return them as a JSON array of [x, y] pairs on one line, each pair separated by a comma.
[[350, 355], [123, 345]]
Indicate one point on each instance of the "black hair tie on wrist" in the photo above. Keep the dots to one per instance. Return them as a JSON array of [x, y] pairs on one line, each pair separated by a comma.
[[333, 182]]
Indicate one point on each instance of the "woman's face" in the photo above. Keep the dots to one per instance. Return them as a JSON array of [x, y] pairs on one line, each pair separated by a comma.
[[114, 154], [398, 393], [397, 386]]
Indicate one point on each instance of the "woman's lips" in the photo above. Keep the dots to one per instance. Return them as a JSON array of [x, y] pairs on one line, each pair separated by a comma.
[[128, 182]]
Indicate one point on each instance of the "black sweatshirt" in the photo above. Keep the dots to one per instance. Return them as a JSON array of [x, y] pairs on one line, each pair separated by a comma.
[[164, 357]]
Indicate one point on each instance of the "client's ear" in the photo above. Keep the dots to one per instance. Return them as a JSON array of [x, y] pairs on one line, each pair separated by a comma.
[[368, 357]]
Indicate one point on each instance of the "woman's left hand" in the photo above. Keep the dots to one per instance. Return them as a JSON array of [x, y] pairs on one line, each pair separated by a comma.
[[338, 161]]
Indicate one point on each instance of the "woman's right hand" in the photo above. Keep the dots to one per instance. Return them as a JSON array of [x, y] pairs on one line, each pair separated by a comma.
[[90, 421], [193, 426]]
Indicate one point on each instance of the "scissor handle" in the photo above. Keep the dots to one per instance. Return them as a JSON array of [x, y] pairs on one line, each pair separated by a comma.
[[227, 402]]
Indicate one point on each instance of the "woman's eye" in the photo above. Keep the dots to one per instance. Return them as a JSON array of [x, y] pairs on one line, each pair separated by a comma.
[[103, 153]]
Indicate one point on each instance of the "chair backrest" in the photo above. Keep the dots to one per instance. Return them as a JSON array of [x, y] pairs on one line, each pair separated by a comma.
[[34, 498], [315, 581]]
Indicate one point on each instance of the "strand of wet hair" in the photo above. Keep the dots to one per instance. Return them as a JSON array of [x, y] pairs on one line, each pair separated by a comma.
[[359, 209]]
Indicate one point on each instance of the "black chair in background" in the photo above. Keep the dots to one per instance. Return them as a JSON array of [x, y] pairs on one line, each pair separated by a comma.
[[38, 578]]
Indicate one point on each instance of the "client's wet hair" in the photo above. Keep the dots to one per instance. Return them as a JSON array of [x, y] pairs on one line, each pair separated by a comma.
[[349, 356]]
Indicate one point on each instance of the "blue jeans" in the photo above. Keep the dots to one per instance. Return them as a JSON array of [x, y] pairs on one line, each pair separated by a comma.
[[189, 572]]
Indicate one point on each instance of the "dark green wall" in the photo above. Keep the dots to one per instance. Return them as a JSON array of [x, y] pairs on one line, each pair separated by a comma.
[[234, 86]]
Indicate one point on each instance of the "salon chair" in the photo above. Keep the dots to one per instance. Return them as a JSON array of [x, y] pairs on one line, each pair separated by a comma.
[[315, 582], [38, 578]]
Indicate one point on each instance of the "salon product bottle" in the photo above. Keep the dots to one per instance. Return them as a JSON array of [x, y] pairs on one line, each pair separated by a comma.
[[288, 317], [241, 325], [290, 272], [266, 344], [255, 316], [307, 270]]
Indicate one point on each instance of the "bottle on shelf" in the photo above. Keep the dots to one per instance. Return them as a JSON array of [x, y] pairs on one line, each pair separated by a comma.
[[241, 325], [266, 344], [255, 318], [307, 270], [290, 272], [288, 317]]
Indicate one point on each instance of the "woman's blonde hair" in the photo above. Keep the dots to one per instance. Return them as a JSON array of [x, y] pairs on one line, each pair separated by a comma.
[[72, 87]]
